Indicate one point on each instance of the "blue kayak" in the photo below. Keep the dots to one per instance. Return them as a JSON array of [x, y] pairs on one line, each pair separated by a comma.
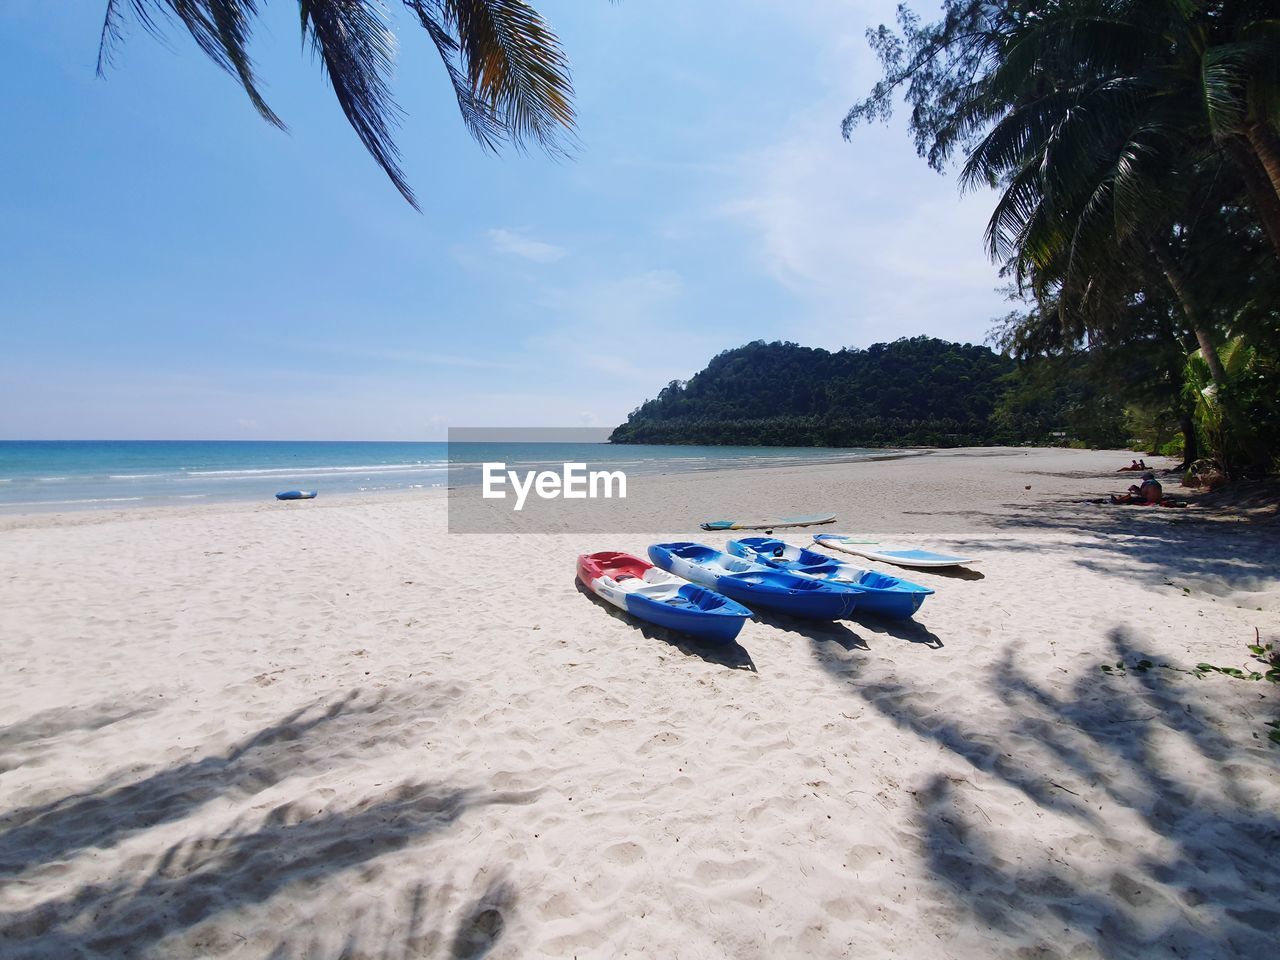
[[756, 584], [885, 595], [297, 495]]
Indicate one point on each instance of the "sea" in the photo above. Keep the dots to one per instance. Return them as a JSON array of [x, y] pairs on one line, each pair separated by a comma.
[[95, 474]]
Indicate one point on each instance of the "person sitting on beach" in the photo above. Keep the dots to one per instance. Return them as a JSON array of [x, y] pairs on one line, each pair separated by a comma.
[[1149, 492], [1134, 466]]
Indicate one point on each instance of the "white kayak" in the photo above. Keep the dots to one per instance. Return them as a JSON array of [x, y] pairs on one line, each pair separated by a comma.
[[901, 558], [810, 520]]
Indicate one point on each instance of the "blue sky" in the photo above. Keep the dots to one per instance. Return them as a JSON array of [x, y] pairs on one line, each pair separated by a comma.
[[173, 267]]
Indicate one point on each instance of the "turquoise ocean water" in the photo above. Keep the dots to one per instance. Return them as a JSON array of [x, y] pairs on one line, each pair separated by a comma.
[[88, 474]]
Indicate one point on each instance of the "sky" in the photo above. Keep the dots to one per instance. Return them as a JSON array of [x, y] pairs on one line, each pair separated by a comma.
[[172, 267]]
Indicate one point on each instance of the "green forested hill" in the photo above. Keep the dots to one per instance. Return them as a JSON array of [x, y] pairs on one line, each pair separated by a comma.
[[912, 391]]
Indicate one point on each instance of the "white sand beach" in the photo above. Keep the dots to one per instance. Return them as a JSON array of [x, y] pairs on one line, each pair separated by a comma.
[[330, 729]]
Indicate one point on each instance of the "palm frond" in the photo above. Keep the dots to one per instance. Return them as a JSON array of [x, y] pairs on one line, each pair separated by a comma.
[[508, 72], [481, 121], [1016, 206], [221, 29], [1224, 76], [1066, 40], [112, 34], [357, 48], [1142, 191], [1072, 127], [1007, 143], [514, 67]]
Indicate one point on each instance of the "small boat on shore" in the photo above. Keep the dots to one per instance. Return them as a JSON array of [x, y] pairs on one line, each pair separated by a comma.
[[756, 584], [644, 591], [297, 495], [885, 595], [902, 558]]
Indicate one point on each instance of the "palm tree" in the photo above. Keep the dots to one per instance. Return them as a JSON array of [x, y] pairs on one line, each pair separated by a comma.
[[1238, 53], [1110, 183], [1194, 75], [1105, 165], [509, 74], [1130, 141]]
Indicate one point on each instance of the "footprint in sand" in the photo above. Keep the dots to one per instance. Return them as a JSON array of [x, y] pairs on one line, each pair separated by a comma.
[[862, 856], [725, 871], [624, 854], [558, 907], [660, 741]]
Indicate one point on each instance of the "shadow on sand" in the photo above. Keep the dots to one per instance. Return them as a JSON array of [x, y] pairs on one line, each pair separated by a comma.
[[19, 740], [950, 573], [1180, 856], [838, 632], [408, 927], [833, 643], [1147, 544], [120, 807], [175, 896], [913, 631], [196, 880], [63, 720]]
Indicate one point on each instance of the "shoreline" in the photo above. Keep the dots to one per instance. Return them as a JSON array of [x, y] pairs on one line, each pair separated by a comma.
[[711, 474], [652, 468]]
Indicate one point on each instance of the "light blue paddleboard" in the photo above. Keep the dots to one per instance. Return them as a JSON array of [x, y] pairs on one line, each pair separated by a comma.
[[901, 558], [810, 520]]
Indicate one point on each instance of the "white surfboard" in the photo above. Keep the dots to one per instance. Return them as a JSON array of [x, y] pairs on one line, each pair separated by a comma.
[[904, 557], [812, 520]]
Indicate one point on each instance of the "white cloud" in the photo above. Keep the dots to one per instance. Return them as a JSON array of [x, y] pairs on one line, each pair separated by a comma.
[[870, 242], [626, 328], [516, 244], [405, 356], [872, 248]]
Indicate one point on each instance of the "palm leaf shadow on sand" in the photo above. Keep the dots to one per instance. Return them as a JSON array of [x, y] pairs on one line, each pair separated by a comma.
[[1202, 885], [483, 925], [411, 926], [1153, 550], [731, 655], [120, 807], [19, 740], [59, 721], [195, 881], [1148, 545]]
